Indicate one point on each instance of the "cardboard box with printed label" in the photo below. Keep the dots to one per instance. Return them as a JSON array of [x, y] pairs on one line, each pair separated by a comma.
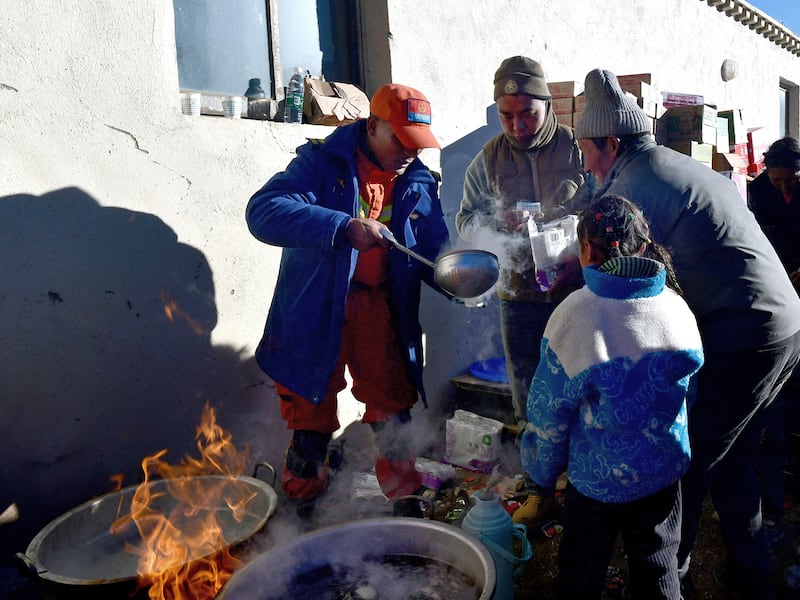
[[698, 151], [565, 89], [692, 123], [727, 161], [757, 145], [629, 79], [563, 106], [672, 99], [741, 150], [565, 120]]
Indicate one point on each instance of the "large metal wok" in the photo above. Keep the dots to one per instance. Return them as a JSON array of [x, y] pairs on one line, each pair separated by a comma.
[[462, 273], [78, 548]]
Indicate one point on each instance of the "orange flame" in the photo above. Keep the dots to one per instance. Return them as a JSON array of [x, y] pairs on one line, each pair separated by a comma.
[[184, 554]]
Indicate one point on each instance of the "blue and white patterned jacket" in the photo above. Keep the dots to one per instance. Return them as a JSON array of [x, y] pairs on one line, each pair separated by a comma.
[[608, 400]]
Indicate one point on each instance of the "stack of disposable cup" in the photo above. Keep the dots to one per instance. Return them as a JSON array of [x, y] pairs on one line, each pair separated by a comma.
[[190, 104]]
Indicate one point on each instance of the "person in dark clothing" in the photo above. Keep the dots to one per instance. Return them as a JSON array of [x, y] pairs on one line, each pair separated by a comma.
[[746, 308], [774, 198]]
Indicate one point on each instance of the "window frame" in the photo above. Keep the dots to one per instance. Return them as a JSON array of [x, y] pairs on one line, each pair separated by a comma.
[[790, 117]]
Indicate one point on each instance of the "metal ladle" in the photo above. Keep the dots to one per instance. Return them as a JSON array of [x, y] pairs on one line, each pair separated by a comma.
[[461, 273]]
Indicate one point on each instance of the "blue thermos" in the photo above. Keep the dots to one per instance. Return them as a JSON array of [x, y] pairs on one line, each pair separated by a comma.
[[491, 524]]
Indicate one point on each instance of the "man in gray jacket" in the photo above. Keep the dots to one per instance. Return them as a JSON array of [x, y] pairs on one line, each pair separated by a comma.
[[747, 311], [534, 159]]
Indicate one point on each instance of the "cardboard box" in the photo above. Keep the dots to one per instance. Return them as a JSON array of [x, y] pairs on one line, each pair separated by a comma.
[[640, 89], [698, 151], [672, 99], [629, 79], [755, 169], [740, 181], [741, 150], [757, 145], [729, 162], [692, 123], [565, 89], [723, 141], [333, 103], [565, 120], [737, 133], [660, 131], [580, 103], [563, 106], [650, 107]]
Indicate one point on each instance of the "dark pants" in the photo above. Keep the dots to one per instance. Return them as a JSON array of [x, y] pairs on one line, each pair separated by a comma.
[[522, 325], [780, 420], [733, 391], [650, 529]]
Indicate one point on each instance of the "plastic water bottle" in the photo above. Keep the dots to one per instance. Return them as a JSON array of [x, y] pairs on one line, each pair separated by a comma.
[[293, 113]]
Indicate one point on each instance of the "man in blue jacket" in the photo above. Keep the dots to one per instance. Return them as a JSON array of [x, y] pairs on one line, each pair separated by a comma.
[[343, 298]]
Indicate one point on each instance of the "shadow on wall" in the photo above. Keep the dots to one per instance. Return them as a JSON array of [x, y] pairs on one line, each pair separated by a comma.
[[105, 356], [462, 335]]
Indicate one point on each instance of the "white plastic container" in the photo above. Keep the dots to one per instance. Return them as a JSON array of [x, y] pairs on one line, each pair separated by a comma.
[[556, 240]]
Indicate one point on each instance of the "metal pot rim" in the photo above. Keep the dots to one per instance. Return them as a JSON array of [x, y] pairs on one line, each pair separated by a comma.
[[375, 530]]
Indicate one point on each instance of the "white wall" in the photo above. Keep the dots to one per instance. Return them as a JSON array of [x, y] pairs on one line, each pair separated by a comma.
[[114, 205]]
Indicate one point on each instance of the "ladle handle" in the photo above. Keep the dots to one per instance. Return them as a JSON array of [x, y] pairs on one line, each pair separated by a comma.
[[390, 236]]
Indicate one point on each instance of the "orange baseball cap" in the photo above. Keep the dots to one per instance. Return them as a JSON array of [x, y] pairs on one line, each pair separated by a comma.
[[409, 113]]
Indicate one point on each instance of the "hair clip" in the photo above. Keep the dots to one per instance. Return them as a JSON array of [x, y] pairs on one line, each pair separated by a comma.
[[609, 229], [630, 217], [615, 244], [598, 216], [648, 241]]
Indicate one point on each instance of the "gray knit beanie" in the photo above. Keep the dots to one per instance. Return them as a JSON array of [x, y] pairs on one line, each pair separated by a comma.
[[609, 111], [521, 75]]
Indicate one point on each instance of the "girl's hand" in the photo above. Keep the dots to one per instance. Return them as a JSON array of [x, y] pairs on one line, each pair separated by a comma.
[[570, 275]]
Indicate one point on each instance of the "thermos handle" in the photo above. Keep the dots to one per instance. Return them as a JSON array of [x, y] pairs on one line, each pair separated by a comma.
[[520, 532]]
